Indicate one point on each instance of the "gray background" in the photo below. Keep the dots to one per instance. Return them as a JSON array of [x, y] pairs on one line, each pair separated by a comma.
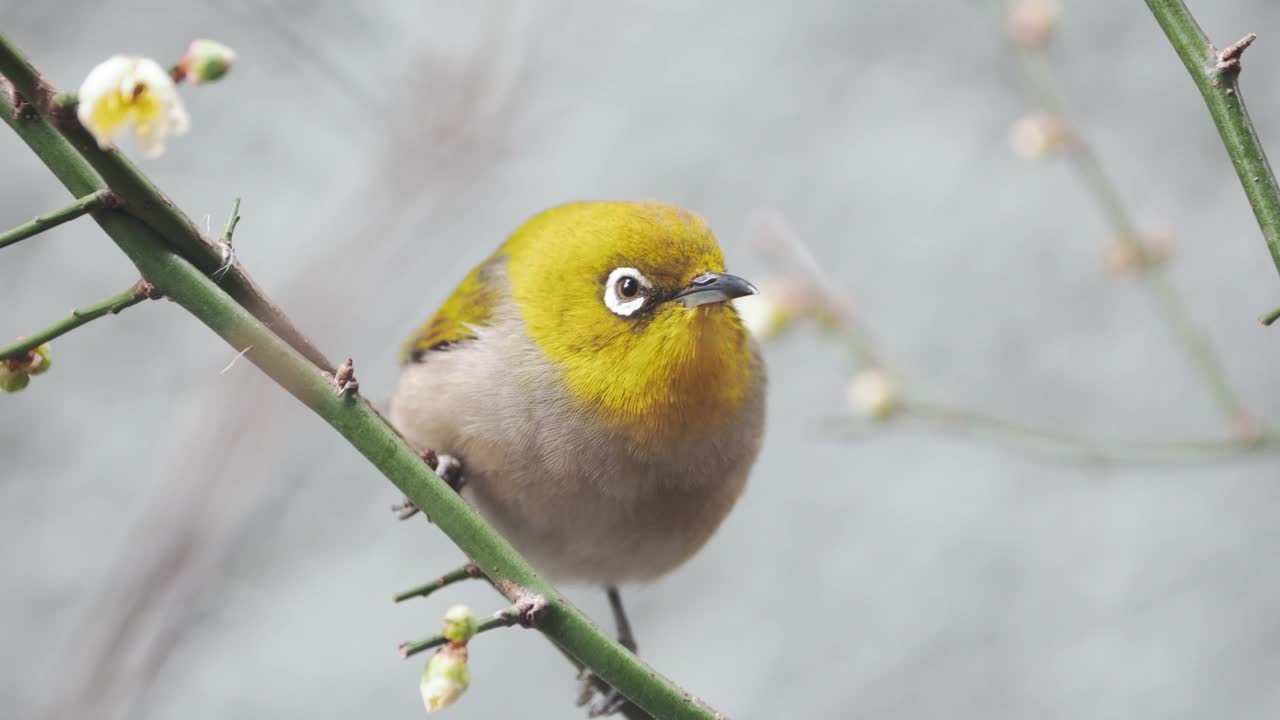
[[180, 541]]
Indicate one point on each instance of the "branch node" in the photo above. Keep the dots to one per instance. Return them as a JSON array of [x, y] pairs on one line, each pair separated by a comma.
[[144, 289], [1229, 59], [345, 379], [529, 608], [526, 606], [109, 199]]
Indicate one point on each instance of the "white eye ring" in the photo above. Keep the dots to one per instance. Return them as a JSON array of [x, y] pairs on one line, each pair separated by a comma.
[[627, 306]]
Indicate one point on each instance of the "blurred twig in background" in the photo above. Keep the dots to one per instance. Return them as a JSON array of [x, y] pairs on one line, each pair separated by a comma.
[[880, 392], [877, 390], [1027, 25]]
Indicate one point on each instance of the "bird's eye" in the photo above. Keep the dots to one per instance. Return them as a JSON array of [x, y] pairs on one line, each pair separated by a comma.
[[625, 291], [628, 287]]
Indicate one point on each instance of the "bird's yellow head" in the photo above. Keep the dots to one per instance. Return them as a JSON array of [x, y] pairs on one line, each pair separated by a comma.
[[630, 299]]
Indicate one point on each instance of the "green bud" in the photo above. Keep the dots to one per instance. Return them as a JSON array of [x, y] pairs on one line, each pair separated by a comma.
[[11, 381], [207, 61], [41, 360], [445, 678], [459, 624]]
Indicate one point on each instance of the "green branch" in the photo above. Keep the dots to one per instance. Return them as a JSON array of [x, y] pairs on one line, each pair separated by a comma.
[[466, 572], [136, 293], [85, 205], [144, 200], [351, 415], [501, 619], [1270, 318], [1217, 76]]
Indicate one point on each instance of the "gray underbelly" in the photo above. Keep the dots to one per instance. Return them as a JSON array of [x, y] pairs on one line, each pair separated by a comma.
[[578, 531], [574, 497]]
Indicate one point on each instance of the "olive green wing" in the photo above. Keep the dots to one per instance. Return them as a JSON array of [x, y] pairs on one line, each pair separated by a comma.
[[471, 305]]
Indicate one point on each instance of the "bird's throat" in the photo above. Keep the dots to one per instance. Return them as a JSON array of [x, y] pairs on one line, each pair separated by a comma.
[[684, 375]]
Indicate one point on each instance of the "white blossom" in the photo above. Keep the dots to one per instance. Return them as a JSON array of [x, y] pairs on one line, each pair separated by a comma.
[[128, 94]]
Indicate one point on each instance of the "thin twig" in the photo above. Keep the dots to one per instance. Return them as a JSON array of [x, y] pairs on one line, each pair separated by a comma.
[[1217, 76], [1247, 439], [1271, 317], [136, 293], [232, 220], [466, 572], [776, 238], [1090, 449], [503, 618], [1044, 87], [92, 202]]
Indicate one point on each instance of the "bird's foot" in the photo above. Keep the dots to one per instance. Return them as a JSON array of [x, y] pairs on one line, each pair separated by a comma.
[[448, 467], [609, 701]]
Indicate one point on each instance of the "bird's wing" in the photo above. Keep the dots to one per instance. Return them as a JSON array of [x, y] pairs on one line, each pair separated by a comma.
[[472, 304]]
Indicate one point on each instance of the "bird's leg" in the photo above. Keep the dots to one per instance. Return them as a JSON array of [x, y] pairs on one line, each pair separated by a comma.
[[611, 701], [625, 637], [448, 467]]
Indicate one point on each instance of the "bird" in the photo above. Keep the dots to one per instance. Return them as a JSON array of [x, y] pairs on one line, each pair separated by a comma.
[[592, 391]]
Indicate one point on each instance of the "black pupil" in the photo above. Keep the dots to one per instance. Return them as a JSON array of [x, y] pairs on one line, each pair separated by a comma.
[[628, 287]]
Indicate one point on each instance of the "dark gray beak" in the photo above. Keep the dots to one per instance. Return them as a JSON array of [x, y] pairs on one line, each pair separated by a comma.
[[713, 288]]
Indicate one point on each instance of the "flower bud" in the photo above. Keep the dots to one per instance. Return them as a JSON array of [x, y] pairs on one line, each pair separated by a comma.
[[1126, 255], [39, 360], [1123, 256], [11, 380], [1033, 22], [445, 678], [1161, 244], [873, 393], [206, 61], [1035, 135], [459, 624]]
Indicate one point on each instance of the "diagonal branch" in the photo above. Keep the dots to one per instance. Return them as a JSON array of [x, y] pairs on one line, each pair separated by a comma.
[[1217, 75], [359, 423]]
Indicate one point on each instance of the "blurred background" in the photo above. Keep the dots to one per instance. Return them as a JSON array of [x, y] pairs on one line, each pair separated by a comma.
[[181, 538]]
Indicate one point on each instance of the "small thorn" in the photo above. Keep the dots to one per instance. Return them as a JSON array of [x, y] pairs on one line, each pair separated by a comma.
[[1229, 59], [345, 379]]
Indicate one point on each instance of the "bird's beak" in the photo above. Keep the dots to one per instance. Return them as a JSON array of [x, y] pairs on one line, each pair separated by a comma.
[[714, 288]]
